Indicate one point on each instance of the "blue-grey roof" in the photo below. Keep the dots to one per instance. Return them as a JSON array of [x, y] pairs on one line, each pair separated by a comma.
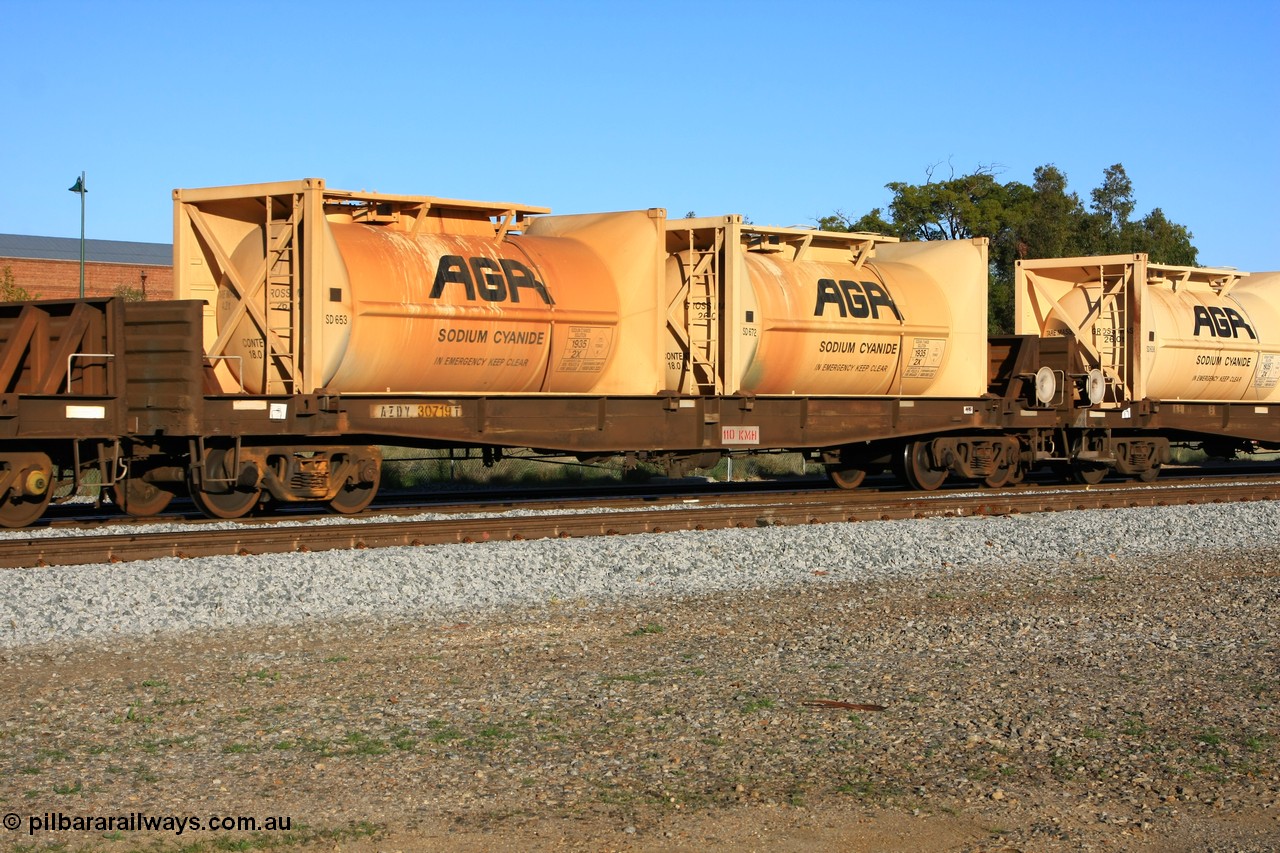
[[101, 251]]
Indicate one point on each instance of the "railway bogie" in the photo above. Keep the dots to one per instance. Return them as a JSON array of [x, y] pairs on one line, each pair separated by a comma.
[[992, 459], [234, 478]]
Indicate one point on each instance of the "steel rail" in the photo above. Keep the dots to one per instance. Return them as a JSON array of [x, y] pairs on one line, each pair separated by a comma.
[[390, 506], [818, 507]]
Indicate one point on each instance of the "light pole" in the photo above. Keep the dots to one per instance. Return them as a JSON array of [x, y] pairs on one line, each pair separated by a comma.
[[81, 189]]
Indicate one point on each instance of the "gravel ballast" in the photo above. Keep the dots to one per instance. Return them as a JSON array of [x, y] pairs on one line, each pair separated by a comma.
[[1056, 682], [97, 601]]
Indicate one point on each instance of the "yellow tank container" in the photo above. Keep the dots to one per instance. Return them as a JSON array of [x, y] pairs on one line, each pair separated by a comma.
[[808, 312], [371, 293], [1154, 331]]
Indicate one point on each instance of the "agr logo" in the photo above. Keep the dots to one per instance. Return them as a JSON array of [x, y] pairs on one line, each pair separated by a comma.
[[493, 281], [1221, 322], [860, 299]]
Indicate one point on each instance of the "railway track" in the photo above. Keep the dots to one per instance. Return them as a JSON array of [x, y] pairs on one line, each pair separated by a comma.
[[390, 505], [467, 523]]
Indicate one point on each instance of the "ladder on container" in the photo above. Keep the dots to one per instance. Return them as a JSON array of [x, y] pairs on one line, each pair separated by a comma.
[[282, 301], [1113, 317], [694, 313]]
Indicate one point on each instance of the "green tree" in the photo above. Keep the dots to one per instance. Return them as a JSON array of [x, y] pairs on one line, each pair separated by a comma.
[[955, 209], [1112, 205], [1166, 242], [1050, 224], [873, 223], [1109, 229]]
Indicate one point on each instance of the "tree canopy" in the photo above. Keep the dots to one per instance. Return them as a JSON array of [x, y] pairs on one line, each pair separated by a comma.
[[1040, 220]]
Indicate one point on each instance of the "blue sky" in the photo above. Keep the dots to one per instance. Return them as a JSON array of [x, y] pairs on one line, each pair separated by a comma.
[[783, 112]]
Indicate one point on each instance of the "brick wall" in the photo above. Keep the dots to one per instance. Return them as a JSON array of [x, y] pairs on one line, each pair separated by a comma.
[[61, 279]]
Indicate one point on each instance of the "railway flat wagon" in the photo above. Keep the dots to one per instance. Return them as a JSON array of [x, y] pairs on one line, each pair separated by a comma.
[[389, 319]]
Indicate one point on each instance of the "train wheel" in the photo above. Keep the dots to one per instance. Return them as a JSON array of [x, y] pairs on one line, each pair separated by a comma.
[[916, 468], [999, 477], [30, 488], [1149, 474], [1089, 474], [22, 511], [232, 503], [846, 478], [353, 497], [139, 498]]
